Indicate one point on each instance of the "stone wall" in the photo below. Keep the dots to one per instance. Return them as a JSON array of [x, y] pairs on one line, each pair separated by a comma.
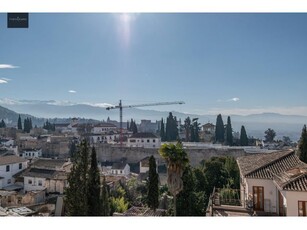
[[133, 155]]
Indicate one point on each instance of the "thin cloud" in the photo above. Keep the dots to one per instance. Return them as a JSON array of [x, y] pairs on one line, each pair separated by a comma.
[[3, 81], [102, 105], [234, 99], [8, 66], [72, 91]]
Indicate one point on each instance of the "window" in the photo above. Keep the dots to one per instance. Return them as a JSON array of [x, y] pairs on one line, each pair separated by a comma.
[[40, 182], [154, 140], [147, 140], [29, 181], [302, 208], [9, 181], [19, 200], [7, 168], [9, 199], [121, 171], [20, 165]]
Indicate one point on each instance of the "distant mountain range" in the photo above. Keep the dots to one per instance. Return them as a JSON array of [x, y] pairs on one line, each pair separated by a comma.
[[255, 124]]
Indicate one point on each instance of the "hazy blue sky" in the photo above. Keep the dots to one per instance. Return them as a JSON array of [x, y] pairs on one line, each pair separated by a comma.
[[228, 63]]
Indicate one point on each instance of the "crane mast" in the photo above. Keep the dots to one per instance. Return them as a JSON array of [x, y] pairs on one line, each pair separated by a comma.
[[120, 107]]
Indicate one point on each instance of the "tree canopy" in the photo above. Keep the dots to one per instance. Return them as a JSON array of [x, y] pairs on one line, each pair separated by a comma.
[[270, 134]]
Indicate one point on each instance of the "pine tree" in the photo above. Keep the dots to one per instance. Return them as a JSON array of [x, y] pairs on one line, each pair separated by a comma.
[[229, 137], [19, 125], [303, 145], [105, 200], [153, 185], [243, 137], [94, 207], [162, 130], [219, 129]]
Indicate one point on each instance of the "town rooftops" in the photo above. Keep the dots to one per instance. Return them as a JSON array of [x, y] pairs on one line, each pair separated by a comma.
[[143, 135], [11, 159]]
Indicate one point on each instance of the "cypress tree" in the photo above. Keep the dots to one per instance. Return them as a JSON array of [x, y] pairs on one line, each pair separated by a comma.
[[2, 124], [229, 137], [76, 199], [243, 137], [187, 127], [105, 201], [153, 185], [219, 129], [171, 131], [94, 207], [303, 145], [162, 130], [19, 125]]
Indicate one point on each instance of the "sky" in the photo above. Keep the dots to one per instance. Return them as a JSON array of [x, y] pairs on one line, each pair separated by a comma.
[[225, 63]]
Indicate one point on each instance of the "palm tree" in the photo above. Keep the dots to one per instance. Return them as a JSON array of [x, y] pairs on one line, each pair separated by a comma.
[[176, 159]]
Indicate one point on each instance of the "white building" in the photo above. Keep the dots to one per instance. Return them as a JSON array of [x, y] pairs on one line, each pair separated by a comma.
[[9, 166], [31, 153], [47, 174], [274, 183], [144, 140], [120, 169], [103, 128]]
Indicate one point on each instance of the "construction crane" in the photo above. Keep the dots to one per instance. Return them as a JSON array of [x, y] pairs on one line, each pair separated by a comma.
[[120, 107]]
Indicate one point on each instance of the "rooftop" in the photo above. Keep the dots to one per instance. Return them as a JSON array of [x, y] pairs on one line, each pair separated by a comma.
[[118, 165], [292, 180], [41, 173], [49, 163], [105, 124], [143, 135], [266, 165], [11, 159]]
